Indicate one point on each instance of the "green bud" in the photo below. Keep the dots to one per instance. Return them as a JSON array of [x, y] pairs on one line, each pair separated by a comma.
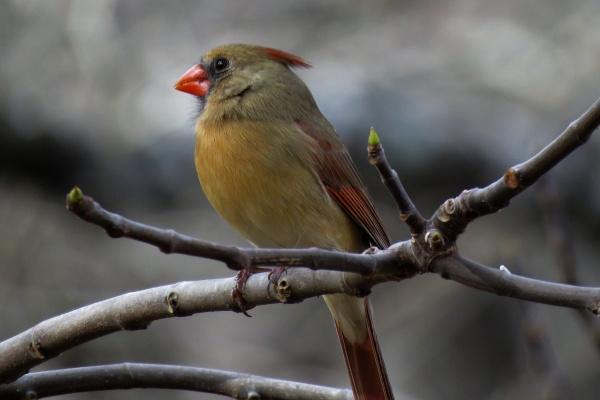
[[74, 197], [373, 137]]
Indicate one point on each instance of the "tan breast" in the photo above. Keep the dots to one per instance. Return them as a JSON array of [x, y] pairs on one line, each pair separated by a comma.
[[253, 175]]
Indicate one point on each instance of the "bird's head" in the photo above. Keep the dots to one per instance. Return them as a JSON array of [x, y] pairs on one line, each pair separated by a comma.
[[227, 74]]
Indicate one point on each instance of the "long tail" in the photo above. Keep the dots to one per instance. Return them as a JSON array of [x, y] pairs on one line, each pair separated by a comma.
[[352, 317]]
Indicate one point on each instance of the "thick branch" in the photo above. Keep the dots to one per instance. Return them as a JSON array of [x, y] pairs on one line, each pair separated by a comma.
[[136, 310], [455, 214], [408, 211], [133, 375]]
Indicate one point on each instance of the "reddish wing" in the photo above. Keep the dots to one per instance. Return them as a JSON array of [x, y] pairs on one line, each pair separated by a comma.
[[340, 178]]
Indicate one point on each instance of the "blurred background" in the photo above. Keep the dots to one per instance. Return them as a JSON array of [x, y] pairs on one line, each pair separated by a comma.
[[459, 90]]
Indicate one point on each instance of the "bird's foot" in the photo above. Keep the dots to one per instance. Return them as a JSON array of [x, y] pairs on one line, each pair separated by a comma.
[[238, 291]]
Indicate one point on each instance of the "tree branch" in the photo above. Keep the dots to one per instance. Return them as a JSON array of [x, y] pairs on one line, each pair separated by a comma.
[[505, 283], [136, 310], [408, 211], [236, 258], [400, 261], [134, 375], [455, 214]]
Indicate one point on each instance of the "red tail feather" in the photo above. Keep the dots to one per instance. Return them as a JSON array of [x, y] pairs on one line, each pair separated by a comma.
[[365, 365]]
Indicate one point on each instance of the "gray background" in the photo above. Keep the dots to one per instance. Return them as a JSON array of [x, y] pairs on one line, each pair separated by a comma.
[[459, 90]]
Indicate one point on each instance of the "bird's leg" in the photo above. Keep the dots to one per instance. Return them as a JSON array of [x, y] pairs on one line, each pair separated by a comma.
[[276, 273], [240, 283]]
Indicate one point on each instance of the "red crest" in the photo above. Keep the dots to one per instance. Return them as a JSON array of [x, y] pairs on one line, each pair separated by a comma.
[[286, 58]]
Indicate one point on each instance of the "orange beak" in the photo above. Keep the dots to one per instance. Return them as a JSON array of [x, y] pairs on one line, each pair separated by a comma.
[[194, 81]]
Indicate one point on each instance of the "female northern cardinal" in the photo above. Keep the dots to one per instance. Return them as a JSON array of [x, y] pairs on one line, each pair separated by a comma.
[[274, 168]]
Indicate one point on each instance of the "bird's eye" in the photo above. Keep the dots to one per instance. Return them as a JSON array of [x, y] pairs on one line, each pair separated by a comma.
[[221, 64]]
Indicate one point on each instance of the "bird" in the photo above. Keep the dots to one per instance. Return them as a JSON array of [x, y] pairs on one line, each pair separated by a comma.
[[275, 169]]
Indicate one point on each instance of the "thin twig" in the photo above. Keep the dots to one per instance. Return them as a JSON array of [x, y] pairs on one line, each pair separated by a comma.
[[170, 241], [134, 375], [408, 211], [455, 214], [504, 283]]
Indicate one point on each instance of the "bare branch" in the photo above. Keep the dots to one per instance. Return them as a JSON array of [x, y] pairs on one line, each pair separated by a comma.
[[455, 214], [401, 260], [169, 241], [408, 211], [504, 283], [134, 375], [136, 310]]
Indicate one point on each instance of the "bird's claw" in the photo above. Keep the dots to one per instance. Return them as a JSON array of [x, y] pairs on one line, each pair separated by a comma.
[[240, 284], [238, 291]]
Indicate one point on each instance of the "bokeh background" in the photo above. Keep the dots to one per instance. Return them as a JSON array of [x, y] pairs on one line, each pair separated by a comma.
[[459, 90]]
